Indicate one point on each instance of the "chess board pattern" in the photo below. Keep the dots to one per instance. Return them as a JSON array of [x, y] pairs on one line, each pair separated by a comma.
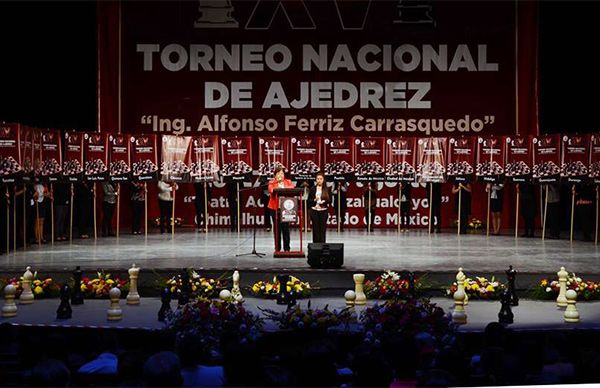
[[95, 167], [573, 169], [9, 166], [236, 168], [403, 168], [304, 167], [338, 168], [489, 169], [144, 167], [72, 167], [204, 168], [119, 167], [460, 168], [174, 167], [517, 169], [595, 170], [268, 169], [369, 168], [50, 167], [431, 169], [545, 169]]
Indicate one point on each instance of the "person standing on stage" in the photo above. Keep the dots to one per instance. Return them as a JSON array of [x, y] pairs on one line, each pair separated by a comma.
[[201, 203], [465, 204], [61, 209], [138, 199], [319, 199], [370, 202], [584, 209], [435, 190], [165, 203], [108, 205], [84, 201], [405, 189], [528, 207], [264, 198], [232, 199], [41, 196], [553, 215], [496, 199], [339, 192], [283, 229]]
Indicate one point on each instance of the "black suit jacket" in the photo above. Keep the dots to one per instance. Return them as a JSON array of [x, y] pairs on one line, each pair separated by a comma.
[[312, 200]]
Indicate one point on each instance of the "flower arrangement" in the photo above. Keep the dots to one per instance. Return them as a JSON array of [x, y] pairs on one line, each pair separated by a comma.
[[479, 288], [406, 319], [390, 285], [178, 222], [41, 287], [297, 318], [100, 286], [208, 320], [475, 224], [270, 290], [200, 287], [586, 290]]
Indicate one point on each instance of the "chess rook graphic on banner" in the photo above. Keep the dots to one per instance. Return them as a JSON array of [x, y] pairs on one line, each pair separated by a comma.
[[369, 156], [205, 158], [432, 154], [273, 152], [575, 158], [305, 157], [461, 159], [594, 162], [96, 156], [144, 158], [10, 153], [519, 159], [400, 159], [339, 158], [51, 169], [546, 158], [236, 153], [120, 159], [491, 159], [176, 158], [73, 157]]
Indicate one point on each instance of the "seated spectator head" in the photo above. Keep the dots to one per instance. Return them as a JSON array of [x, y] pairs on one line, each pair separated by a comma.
[[163, 369], [193, 351], [50, 373], [495, 335]]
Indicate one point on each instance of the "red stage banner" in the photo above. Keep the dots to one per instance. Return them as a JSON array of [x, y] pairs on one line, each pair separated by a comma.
[[432, 154], [594, 171], [400, 158], [546, 158], [369, 157], [491, 158], [205, 158], [272, 153], [461, 159], [237, 158], [176, 158], [120, 158], [36, 141], [575, 158], [73, 157], [96, 156], [10, 153], [51, 155], [305, 157], [26, 146], [144, 157], [519, 159], [339, 158]]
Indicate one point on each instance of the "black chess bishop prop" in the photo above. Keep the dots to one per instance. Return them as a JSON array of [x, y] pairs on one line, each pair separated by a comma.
[[505, 315], [511, 275]]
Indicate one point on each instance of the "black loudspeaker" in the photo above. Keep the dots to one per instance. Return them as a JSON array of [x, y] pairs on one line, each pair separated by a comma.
[[323, 255]]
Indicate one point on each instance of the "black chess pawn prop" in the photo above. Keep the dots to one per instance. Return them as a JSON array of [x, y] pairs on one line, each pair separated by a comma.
[[505, 315], [284, 296], [64, 310], [165, 308], [184, 293], [77, 295], [511, 274]]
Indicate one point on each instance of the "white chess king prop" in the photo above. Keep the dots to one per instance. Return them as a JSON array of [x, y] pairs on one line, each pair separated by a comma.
[[561, 301], [359, 280], [10, 307], [571, 314], [27, 295], [133, 298], [236, 293], [114, 312]]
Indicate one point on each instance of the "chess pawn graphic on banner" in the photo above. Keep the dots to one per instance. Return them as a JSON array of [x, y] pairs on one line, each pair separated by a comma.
[[561, 300], [215, 14], [133, 298], [114, 312], [27, 294], [359, 280], [9, 309]]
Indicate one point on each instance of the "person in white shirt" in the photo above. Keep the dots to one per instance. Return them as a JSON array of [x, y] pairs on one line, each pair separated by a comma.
[[165, 203]]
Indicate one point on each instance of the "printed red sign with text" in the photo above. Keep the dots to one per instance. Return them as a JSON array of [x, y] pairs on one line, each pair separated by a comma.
[[237, 158], [339, 158], [491, 158], [96, 156], [594, 170], [176, 158], [73, 157], [461, 159], [144, 157], [273, 152], [575, 153], [120, 159], [205, 158], [10, 153], [26, 146], [432, 154], [369, 156], [51, 155], [305, 157], [400, 158], [519, 158], [546, 158]]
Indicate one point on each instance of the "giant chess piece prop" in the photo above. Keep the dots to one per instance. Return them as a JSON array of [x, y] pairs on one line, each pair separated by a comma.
[[27, 295], [561, 300], [350, 297], [64, 310], [506, 315], [236, 293], [165, 307], [460, 284], [114, 312], [359, 281], [184, 293], [133, 298], [77, 295], [571, 314], [511, 274], [9, 309], [459, 315], [284, 296]]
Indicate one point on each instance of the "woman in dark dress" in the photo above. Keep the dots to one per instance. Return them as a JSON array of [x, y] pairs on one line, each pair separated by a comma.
[[319, 199], [465, 204]]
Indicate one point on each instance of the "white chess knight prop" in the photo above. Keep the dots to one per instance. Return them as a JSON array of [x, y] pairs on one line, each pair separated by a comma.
[[133, 297], [236, 293], [27, 295]]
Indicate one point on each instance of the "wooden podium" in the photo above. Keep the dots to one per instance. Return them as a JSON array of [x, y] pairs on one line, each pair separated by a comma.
[[288, 193]]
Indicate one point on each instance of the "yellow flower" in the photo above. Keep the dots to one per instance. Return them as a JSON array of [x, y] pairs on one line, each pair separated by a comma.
[[109, 281], [194, 288], [297, 288], [475, 287], [288, 288], [38, 290], [489, 288], [83, 287], [173, 289], [544, 283], [209, 287], [255, 288]]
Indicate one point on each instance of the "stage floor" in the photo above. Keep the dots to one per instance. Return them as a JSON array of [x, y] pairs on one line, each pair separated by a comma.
[[382, 249]]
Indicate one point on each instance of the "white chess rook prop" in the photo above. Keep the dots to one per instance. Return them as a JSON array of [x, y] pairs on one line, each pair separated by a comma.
[[361, 298], [133, 298], [114, 313], [236, 293], [10, 307], [571, 314], [350, 297], [460, 285], [561, 301], [27, 296]]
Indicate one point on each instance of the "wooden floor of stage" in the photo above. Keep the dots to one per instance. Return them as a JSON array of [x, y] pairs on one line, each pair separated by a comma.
[[382, 249]]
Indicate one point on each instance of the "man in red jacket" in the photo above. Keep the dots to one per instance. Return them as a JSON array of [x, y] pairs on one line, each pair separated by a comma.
[[283, 230]]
